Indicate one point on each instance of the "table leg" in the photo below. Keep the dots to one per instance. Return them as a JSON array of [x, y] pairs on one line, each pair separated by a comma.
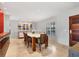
[[46, 42], [33, 43]]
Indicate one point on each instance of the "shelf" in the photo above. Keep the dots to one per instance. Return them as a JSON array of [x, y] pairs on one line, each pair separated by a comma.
[[75, 26], [76, 21], [75, 29], [23, 27], [75, 33]]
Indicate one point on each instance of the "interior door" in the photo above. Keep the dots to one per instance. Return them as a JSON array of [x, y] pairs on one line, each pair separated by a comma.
[[74, 28]]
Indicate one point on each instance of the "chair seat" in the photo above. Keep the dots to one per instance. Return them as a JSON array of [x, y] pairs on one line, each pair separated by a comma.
[[27, 39]]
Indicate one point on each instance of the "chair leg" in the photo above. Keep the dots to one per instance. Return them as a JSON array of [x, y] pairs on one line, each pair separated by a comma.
[[27, 44], [46, 42], [39, 46], [46, 45], [24, 42]]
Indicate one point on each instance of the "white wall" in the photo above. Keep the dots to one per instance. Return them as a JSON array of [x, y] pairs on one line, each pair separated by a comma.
[[62, 25], [41, 25], [6, 22], [14, 28]]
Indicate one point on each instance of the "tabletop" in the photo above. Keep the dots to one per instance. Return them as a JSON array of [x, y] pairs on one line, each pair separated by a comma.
[[33, 34]]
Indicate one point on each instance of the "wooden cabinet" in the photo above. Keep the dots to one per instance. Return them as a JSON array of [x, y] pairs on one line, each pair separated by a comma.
[[4, 43], [1, 21], [74, 29]]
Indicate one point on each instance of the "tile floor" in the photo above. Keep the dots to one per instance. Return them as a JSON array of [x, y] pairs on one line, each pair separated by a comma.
[[18, 49]]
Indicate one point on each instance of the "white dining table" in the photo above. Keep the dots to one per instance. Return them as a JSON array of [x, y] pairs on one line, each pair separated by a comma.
[[37, 35], [34, 36]]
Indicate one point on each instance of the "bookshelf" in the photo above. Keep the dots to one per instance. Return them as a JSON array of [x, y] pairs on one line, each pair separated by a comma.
[[24, 27]]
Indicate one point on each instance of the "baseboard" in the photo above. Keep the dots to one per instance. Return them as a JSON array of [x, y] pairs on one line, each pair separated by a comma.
[[60, 42]]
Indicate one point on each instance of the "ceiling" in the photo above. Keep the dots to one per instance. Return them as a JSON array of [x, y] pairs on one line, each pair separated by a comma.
[[35, 11]]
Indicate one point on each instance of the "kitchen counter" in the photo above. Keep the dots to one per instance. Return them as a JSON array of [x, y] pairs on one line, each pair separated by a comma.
[[4, 43]]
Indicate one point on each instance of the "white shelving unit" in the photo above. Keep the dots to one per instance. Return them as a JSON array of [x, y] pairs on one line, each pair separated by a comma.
[[24, 27]]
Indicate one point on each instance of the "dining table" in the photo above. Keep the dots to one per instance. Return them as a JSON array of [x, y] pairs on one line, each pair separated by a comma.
[[34, 36]]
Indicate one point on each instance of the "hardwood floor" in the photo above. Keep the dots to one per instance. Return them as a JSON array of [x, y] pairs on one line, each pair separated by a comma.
[[18, 49]]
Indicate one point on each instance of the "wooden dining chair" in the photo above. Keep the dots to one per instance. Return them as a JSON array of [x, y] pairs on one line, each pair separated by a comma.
[[27, 39], [43, 40]]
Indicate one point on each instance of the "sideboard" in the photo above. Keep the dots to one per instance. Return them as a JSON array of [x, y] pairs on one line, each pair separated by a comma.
[[4, 43]]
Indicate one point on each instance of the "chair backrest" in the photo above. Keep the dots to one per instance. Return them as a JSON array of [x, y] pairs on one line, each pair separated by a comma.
[[25, 36], [42, 38]]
